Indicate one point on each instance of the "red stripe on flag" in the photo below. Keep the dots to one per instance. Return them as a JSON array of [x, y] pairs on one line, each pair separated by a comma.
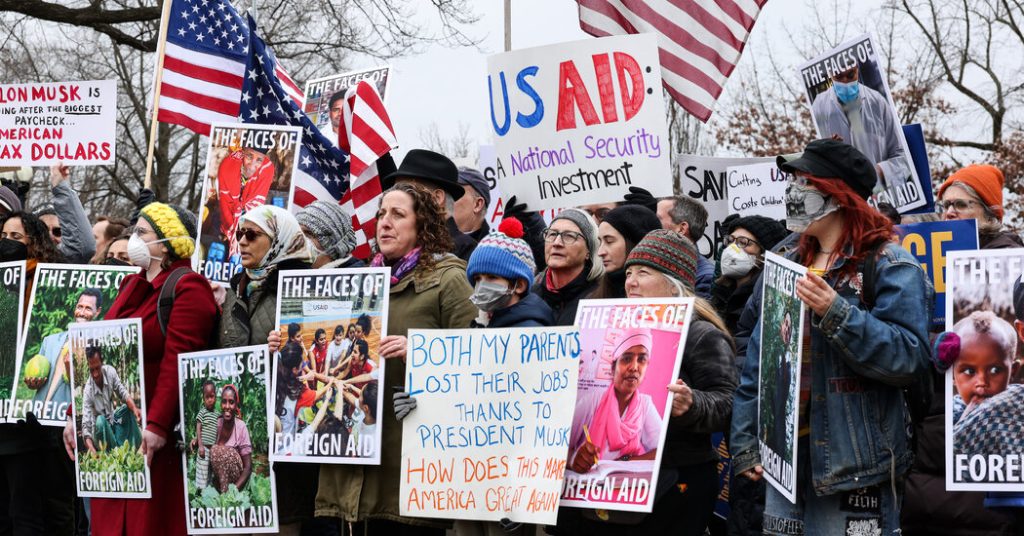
[[697, 109], [201, 101], [737, 14], [175, 118], [709, 22], [205, 74], [676, 33]]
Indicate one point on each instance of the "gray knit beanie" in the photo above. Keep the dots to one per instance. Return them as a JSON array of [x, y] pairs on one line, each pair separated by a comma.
[[588, 228], [331, 226]]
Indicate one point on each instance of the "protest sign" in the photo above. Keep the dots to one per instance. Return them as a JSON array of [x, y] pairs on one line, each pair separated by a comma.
[[724, 470], [62, 294], [327, 395], [12, 307], [109, 409], [705, 178], [324, 96], [488, 438], [984, 390], [757, 190], [229, 486], [782, 322], [631, 350], [929, 243], [919, 154], [246, 166], [69, 122], [488, 165], [850, 100], [554, 149]]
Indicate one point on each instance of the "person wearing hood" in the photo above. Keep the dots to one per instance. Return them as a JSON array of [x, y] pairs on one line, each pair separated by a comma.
[[161, 245], [570, 251], [329, 230], [976, 192], [746, 240], [619, 232]]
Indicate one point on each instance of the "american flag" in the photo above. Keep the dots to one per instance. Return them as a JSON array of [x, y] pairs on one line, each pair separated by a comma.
[[700, 41], [204, 65]]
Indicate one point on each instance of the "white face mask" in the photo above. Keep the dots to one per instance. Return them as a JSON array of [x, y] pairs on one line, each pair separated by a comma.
[[737, 263], [138, 251]]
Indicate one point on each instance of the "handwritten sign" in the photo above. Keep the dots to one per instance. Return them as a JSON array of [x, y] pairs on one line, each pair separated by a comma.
[[704, 178], [496, 208], [489, 436], [579, 123], [73, 122], [929, 243], [757, 189]]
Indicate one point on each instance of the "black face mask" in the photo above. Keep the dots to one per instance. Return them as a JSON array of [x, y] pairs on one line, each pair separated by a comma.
[[114, 261], [12, 250]]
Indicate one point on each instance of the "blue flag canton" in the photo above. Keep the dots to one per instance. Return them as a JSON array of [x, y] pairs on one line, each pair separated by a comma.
[[210, 26], [265, 101]]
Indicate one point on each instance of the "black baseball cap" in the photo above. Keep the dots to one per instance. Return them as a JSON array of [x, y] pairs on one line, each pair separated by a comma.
[[831, 159]]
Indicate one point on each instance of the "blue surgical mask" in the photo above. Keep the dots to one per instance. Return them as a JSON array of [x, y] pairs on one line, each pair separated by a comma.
[[846, 93]]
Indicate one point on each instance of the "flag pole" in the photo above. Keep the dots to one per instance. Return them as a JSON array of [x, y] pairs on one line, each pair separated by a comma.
[[508, 25], [161, 45]]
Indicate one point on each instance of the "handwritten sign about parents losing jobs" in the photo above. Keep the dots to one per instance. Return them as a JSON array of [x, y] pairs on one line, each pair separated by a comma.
[[581, 122], [489, 437], [70, 122]]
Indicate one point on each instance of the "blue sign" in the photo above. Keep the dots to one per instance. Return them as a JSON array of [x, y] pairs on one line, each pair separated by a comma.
[[929, 242]]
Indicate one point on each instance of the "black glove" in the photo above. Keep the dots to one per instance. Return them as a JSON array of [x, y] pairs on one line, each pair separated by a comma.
[[509, 525], [515, 210], [146, 196], [639, 196]]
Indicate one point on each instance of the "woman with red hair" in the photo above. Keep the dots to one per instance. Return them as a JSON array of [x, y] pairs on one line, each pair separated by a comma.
[[859, 352]]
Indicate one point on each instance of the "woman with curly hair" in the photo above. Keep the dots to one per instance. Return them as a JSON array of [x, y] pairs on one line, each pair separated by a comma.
[[23, 236], [429, 290]]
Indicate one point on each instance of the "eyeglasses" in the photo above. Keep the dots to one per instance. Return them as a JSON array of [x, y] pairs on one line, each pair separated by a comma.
[[741, 241], [140, 232], [568, 237], [959, 205], [250, 235], [55, 231], [17, 237]]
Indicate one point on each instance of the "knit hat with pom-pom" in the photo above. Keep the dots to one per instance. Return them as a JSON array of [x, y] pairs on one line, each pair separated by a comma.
[[503, 253]]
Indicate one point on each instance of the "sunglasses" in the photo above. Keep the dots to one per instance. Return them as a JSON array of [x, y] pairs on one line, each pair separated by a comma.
[[250, 235]]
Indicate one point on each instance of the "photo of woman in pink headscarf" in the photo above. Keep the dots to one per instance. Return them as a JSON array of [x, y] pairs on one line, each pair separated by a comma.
[[620, 422]]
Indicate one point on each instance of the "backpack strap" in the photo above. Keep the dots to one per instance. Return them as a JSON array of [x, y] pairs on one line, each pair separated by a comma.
[[165, 302], [867, 287]]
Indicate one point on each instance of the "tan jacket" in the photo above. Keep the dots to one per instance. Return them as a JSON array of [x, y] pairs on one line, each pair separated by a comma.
[[438, 298]]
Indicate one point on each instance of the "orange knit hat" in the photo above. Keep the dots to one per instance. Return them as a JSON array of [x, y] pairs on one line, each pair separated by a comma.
[[986, 180]]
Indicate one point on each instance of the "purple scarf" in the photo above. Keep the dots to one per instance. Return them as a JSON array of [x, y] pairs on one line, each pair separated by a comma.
[[401, 268]]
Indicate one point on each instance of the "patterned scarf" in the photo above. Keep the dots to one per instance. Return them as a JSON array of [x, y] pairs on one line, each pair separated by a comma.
[[286, 241], [401, 268]]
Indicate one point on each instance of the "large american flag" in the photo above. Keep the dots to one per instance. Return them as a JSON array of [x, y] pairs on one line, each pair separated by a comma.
[[700, 41], [204, 64]]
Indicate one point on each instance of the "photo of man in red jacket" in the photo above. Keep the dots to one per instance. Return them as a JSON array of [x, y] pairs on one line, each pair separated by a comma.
[[243, 182]]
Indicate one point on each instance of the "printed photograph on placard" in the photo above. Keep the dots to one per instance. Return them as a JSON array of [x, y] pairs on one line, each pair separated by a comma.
[[62, 294], [12, 307], [325, 96], [229, 484], [109, 409], [851, 102], [984, 385], [630, 350], [246, 166], [327, 394], [778, 405]]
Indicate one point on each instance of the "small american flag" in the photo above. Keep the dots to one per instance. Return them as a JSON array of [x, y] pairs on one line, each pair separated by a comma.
[[700, 41], [204, 65]]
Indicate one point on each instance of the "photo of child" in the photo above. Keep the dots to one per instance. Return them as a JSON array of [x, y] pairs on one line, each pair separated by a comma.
[[206, 433]]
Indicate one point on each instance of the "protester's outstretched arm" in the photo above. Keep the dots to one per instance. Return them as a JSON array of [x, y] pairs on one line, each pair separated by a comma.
[[77, 244]]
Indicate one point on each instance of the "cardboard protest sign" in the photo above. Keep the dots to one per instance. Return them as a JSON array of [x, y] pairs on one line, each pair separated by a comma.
[[724, 470], [62, 294], [70, 122], [12, 307], [224, 397], [984, 390], [324, 96], [109, 409], [757, 189], [706, 179], [850, 100], [488, 164], [491, 428], [778, 382], [246, 166], [554, 149], [929, 243], [631, 350], [327, 394]]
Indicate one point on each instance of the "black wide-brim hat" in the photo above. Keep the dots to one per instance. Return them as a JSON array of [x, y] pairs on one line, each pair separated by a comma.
[[428, 166]]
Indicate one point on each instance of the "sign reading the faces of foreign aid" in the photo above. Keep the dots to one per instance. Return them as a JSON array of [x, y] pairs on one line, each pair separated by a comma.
[[579, 123]]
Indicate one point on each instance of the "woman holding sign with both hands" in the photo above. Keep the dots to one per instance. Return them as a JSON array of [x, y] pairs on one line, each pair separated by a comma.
[[845, 474]]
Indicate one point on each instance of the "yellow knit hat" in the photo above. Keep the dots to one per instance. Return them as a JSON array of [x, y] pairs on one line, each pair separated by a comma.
[[173, 224]]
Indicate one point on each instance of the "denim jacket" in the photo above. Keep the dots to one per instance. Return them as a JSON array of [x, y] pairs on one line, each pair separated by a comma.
[[860, 360]]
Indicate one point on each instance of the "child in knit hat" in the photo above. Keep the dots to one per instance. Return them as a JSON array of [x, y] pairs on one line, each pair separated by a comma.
[[501, 270]]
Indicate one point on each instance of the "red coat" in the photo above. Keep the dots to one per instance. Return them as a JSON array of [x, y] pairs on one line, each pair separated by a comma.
[[190, 329]]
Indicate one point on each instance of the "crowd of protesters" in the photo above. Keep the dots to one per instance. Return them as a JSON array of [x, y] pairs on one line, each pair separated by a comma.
[[449, 269]]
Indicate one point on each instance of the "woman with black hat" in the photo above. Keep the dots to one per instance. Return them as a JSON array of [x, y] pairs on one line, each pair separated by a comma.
[[746, 240], [619, 232]]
